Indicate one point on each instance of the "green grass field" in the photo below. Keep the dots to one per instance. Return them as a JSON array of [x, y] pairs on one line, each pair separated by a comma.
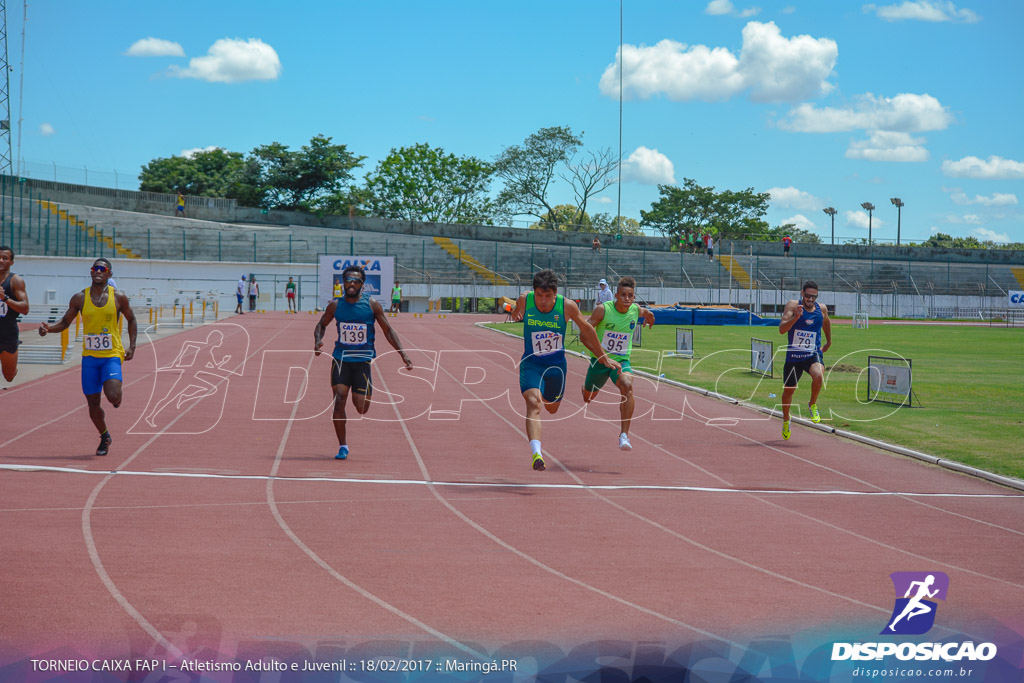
[[968, 382]]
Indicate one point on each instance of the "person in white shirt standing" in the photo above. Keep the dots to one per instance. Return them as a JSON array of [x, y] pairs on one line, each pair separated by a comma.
[[604, 293], [240, 292]]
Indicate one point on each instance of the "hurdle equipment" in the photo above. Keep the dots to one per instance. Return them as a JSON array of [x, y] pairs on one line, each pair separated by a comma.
[[762, 357], [684, 343]]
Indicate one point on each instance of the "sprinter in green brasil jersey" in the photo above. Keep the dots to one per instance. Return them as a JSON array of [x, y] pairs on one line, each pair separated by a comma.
[[544, 313], [614, 322]]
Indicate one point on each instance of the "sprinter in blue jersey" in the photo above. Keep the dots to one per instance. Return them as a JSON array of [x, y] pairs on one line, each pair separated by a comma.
[[804, 321], [353, 316], [544, 313]]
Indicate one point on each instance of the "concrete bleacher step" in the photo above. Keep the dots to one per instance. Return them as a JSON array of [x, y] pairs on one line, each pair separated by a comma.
[[40, 354]]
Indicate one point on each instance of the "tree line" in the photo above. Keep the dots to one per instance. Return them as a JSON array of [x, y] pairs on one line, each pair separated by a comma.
[[424, 183]]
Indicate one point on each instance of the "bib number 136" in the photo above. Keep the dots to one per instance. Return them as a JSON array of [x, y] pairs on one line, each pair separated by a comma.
[[98, 342]]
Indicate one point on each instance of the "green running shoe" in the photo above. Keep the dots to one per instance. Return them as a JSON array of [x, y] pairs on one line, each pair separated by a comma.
[[538, 462], [785, 431], [815, 417]]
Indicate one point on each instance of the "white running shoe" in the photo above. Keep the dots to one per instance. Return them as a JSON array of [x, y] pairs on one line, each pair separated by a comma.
[[624, 444]]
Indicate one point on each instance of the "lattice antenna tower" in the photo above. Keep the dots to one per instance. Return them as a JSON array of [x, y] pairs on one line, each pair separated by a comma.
[[5, 99]]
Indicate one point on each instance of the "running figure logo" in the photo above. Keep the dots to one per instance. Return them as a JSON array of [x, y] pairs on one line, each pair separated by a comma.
[[914, 612], [201, 371]]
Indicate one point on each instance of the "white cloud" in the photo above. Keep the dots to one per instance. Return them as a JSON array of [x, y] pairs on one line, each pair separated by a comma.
[[888, 146], [859, 219], [924, 10], [997, 199], [994, 167], [648, 166], [788, 9], [46, 129], [905, 112], [792, 198], [602, 200], [934, 230], [986, 234], [188, 153], [155, 47], [773, 68], [719, 7], [232, 61], [966, 219], [801, 222]]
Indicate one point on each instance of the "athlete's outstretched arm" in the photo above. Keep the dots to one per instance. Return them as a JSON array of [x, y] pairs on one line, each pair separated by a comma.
[[520, 310], [321, 326], [588, 336], [789, 317], [826, 328], [18, 302], [74, 308], [125, 308], [389, 332]]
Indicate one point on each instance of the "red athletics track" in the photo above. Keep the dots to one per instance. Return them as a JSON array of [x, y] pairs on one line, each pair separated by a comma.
[[739, 535]]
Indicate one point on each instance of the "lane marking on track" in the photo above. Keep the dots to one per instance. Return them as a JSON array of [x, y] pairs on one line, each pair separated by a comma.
[[506, 485]]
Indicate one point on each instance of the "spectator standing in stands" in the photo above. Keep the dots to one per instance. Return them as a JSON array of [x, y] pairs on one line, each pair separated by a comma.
[[180, 210], [711, 248], [603, 293], [786, 242]]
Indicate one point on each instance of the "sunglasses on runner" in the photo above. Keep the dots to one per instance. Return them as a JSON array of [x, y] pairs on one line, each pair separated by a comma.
[[353, 279], [99, 269]]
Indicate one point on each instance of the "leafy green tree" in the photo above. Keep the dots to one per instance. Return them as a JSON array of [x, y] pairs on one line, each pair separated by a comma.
[[422, 183], [309, 179], [729, 214], [776, 234], [606, 223], [210, 173], [529, 171], [562, 217]]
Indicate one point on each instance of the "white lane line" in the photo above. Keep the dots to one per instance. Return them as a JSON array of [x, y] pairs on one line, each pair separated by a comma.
[[320, 562], [90, 543], [530, 558], [504, 485]]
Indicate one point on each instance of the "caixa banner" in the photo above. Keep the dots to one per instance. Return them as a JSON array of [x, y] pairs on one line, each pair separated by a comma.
[[1016, 299], [379, 270]]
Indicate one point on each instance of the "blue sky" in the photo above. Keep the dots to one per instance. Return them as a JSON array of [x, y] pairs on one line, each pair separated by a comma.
[[820, 103]]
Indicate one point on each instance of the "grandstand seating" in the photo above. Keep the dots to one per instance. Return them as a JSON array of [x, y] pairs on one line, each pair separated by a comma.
[[76, 229]]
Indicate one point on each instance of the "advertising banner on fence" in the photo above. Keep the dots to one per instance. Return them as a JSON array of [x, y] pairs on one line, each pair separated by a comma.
[[380, 276], [1016, 299]]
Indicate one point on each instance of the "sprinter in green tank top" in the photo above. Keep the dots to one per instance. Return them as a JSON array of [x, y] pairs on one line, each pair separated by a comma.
[[614, 322], [544, 313]]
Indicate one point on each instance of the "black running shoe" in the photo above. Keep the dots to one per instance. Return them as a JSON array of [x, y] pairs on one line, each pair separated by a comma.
[[104, 446]]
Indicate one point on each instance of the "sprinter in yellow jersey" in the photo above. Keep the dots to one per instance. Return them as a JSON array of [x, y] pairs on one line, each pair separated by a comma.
[[614, 322], [102, 352]]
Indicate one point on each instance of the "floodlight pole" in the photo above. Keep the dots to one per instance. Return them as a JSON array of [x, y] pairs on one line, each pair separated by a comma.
[[898, 203], [869, 207], [832, 214]]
